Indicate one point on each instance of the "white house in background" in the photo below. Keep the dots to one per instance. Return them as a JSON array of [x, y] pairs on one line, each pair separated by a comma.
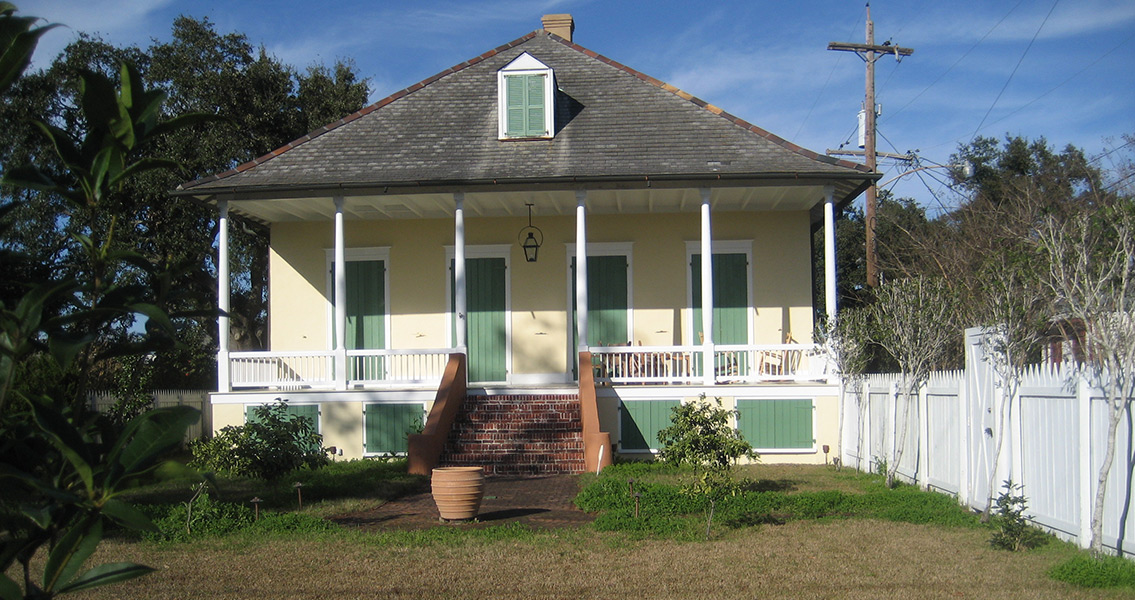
[[530, 206]]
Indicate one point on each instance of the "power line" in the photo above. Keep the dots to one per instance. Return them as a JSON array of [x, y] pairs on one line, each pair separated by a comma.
[[825, 88], [1021, 60], [957, 62], [1062, 83]]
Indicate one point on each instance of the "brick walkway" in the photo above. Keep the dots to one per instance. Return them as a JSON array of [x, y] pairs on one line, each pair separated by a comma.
[[540, 502]]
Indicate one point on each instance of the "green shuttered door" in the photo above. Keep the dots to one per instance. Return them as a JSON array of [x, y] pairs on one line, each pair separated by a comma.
[[485, 324], [730, 297], [387, 426], [366, 316], [366, 304], [641, 420], [606, 300], [776, 423]]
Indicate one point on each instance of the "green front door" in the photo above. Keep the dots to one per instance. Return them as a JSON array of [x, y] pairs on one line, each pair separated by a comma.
[[485, 286], [606, 303], [730, 298], [366, 316]]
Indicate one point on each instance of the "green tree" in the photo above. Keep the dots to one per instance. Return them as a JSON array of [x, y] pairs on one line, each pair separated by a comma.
[[200, 70], [64, 472], [699, 435]]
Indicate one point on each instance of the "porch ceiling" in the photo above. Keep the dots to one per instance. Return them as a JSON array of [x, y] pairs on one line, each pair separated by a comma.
[[498, 203]]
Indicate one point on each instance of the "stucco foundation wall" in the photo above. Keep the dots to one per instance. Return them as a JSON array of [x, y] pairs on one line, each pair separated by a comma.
[[825, 420], [778, 244]]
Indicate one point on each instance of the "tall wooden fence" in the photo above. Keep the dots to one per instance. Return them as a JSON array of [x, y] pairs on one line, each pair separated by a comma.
[[1055, 438], [199, 399]]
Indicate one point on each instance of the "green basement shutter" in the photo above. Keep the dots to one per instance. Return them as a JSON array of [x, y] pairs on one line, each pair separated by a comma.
[[641, 420], [524, 106], [485, 320], [772, 424], [606, 303], [387, 426]]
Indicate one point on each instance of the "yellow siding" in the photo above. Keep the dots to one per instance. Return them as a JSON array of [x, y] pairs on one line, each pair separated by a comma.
[[418, 277]]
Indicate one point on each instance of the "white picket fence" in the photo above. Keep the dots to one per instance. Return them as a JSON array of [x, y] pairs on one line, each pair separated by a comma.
[[199, 399], [1055, 440]]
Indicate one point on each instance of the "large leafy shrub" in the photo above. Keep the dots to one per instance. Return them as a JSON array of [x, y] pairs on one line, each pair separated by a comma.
[[269, 446]]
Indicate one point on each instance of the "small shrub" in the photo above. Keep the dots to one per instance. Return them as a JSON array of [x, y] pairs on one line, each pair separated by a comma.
[[200, 517], [1011, 529], [699, 435], [269, 447], [1088, 572]]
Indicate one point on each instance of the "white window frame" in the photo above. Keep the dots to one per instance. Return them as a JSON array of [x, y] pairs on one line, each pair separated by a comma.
[[526, 64]]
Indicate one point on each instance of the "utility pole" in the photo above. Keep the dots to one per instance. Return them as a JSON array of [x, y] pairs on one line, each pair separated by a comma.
[[870, 52]]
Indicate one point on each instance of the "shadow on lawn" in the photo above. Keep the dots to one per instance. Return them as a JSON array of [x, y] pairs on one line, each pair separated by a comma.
[[769, 485]]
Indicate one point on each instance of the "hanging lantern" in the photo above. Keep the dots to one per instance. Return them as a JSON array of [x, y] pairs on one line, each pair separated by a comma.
[[530, 238]]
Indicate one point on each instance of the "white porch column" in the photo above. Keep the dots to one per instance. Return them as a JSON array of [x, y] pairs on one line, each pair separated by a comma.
[[829, 255], [707, 289], [340, 299], [581, 268], [460, 297], [224, 375]]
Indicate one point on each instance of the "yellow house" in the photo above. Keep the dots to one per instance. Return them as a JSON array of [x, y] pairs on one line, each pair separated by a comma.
[[451, 256]]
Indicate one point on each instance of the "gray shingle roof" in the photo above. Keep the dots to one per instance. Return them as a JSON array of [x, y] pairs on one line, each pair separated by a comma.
[[612, 123]]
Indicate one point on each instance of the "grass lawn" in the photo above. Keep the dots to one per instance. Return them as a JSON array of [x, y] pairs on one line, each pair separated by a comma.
[[834, 556]]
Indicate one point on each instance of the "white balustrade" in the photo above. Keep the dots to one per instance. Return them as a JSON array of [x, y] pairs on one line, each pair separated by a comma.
[[316, 370]]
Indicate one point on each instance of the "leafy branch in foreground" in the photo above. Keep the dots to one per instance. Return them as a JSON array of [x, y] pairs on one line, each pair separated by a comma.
[[64, 469]]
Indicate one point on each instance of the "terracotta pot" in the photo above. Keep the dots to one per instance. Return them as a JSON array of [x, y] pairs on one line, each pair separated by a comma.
[[457, 491]]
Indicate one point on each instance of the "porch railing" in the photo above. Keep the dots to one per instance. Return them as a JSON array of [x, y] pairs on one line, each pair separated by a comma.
[[396, 367], [285, 370], [316, 369], [620, 365]]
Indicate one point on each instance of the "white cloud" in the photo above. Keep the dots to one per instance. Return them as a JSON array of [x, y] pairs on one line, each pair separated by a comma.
[[124, 21]]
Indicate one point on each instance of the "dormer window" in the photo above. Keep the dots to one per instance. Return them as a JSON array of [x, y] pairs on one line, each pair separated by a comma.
[[525, 96]]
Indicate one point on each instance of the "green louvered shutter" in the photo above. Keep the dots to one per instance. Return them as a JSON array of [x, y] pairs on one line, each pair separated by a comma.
[[485, 318], [780, 424], [524, 105], [730, 297], [641, 420], [606, 302], [366, 315], [535, 125], [387, 426]]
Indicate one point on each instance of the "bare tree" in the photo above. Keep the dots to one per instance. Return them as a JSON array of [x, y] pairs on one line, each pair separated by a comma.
[[914, 322], [1092, 280], [1007, 298], [845, 341]]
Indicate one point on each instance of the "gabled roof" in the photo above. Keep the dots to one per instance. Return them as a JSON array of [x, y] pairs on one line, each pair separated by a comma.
[[613, 124]]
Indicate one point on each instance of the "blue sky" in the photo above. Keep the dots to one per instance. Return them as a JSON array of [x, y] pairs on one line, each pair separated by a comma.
[[1064, 70]]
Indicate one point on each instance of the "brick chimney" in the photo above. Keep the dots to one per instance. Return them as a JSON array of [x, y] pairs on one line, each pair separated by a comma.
[[561, 25]]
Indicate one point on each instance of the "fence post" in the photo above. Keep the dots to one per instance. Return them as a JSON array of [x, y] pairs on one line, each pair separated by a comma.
[[964, 430], [892, 437], [922, 477], [1016, 443], [1084, 407]]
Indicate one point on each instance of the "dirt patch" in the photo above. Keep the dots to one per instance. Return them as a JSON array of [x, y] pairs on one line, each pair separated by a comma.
[[540, 502]]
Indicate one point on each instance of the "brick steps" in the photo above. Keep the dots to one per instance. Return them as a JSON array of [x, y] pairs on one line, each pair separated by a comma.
[[517, 435]]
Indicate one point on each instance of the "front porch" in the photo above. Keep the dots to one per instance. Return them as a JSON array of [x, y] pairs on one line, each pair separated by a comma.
[[612, 366]]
